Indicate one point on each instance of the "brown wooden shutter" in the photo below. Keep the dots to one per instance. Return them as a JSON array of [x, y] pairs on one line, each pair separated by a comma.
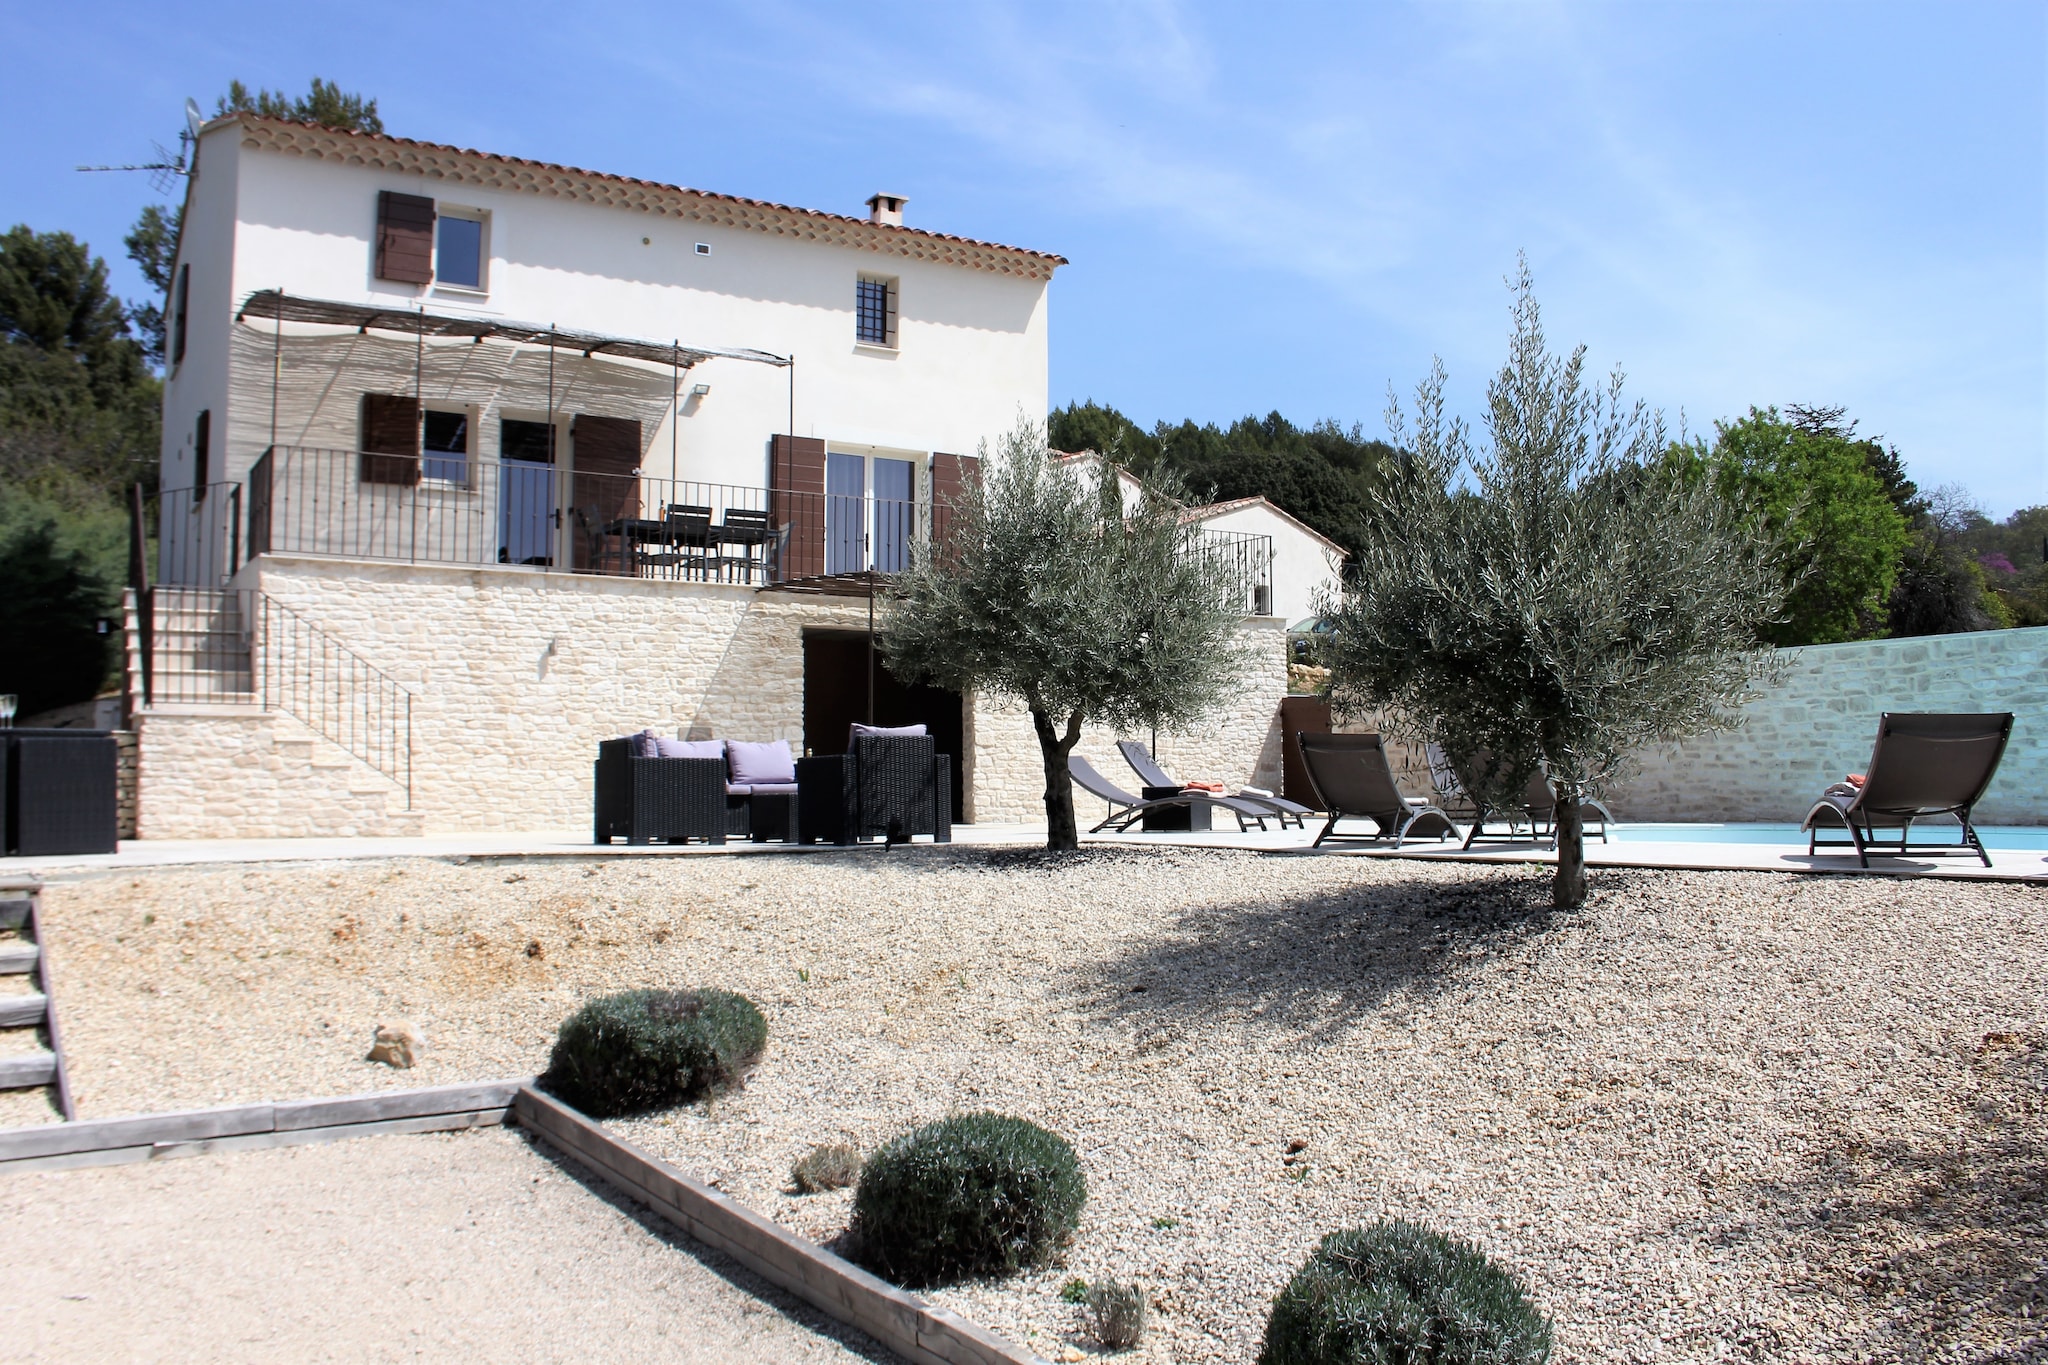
[[606, 451], [181, 304], [405, 237], [202, 454], [391, 438], [796, 503], [951, 474]]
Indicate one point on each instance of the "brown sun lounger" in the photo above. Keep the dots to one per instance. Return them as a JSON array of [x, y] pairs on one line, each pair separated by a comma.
[[1923, 764], [1354, 781], [1537, 809]]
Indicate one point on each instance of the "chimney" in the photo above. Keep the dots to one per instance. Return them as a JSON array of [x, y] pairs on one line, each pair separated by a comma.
[[886, 209]]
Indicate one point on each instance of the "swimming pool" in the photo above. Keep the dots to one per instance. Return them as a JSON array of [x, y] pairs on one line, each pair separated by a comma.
[[2014, 838]]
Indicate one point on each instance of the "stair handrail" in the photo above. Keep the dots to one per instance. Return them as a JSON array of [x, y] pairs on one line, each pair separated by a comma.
[[334, 691]]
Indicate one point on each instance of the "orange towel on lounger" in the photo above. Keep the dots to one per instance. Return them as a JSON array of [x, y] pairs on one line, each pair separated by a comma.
[[1855, 779], [1215, 787]]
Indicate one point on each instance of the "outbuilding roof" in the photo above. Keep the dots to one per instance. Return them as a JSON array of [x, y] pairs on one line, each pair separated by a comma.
[[465, 166]]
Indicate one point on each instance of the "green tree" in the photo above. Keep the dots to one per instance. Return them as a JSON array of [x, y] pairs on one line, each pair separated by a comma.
[[54, 299], [1817, 494], [1092, 426], [51, 599], [326, 103], [153, 245], [1556, 598], [1049, 593]]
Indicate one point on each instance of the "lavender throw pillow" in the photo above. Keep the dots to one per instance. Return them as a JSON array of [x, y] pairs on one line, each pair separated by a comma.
[[690, 748], [643, 744], [753, 764]]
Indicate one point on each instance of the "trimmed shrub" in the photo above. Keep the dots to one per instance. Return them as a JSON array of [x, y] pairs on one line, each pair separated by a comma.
[[831, 1166], [646, 1049], [977, 1194], [1115, 1314], [1399, 1292]]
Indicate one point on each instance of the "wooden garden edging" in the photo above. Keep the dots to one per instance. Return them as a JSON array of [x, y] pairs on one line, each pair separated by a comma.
[[918, 1331], [110, 1142]]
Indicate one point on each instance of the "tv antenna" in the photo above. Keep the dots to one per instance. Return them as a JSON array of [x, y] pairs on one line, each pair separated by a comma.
[[168, 167]]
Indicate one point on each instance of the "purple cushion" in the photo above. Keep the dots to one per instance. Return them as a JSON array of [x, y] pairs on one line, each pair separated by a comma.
[[738, 789], [753, 764], [775, 789], [643, 743], [882, 731], [690, 748]]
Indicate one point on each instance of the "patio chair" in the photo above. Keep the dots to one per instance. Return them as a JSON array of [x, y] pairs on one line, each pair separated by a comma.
[[1923, 764], [1354, 781], [891, 787], [1152, 775], [1537, 808], [669, 799], [1127, 810]]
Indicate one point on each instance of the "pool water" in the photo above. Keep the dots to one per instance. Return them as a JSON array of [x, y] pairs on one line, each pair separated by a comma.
[[2015, 838]]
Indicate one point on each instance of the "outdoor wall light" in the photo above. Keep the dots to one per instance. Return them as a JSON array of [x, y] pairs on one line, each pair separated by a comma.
[[700, 391]]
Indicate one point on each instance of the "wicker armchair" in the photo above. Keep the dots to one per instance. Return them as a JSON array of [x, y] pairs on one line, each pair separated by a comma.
[[890, 787], [669, 799]]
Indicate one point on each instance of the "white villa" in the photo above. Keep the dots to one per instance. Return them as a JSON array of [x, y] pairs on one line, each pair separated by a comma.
[[471, 462]]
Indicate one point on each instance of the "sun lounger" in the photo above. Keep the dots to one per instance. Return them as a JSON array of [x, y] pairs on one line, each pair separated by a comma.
[[1354, 781], [1537, 808], [1152, 775], [1923, 764], [1127, 810]]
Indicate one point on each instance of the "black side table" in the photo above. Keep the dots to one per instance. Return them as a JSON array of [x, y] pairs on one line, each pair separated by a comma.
[[1189, 818]]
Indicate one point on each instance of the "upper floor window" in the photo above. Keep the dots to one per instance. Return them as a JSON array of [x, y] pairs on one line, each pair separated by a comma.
[[420, 241], [459, 248], [874, 311]]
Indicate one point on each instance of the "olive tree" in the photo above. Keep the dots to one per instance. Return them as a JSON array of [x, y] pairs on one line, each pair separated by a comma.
[[1560, 597], [1041, 587]]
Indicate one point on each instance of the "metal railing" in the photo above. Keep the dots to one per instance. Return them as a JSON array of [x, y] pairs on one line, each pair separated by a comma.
[[337, 693], [198, 533], [447, 510], [1245, 560], [242, 647]]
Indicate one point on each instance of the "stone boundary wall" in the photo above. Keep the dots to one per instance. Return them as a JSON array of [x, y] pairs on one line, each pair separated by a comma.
[[518, 675], [219, 772], [1818, 721]]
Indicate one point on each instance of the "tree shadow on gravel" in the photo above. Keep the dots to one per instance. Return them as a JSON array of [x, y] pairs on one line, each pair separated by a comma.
[[1319, 962], [1945, 1241], [771, 1298]]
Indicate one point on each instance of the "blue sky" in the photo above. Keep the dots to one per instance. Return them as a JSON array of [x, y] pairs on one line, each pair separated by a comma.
[[1283, 206]]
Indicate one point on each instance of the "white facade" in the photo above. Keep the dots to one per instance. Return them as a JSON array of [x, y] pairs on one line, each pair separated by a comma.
[[1305, 562], [276, 206]]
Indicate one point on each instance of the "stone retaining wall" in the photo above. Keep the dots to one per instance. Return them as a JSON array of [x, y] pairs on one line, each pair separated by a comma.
[[518, 675], [1817, 722]]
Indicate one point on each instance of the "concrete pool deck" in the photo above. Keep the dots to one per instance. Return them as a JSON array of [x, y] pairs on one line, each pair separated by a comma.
[[1706, 854]]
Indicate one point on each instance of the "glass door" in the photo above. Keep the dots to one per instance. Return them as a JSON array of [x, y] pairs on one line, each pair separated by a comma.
[[895, 515], [526, 493], [846, 541]]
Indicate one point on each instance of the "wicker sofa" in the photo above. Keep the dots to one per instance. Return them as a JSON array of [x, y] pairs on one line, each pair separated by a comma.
[[690, 791]]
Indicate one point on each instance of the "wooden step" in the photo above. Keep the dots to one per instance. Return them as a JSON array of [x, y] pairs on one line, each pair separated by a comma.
[[18, 957], [23, 1011], [26, 1069]]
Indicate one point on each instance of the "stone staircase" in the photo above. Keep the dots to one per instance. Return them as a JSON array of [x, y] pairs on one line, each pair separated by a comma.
[[201, 649]]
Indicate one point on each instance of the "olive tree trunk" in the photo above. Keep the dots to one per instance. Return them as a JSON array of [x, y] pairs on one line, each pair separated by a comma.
[[1568, 892], [1062, 831]]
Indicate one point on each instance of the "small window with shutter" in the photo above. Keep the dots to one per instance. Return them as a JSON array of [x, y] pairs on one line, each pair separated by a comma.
[[459, 248], [874, 311]]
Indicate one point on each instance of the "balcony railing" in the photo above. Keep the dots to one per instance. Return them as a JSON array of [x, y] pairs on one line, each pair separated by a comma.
[[435, 510]]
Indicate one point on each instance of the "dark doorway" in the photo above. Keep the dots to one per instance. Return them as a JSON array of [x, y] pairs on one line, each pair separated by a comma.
[[836, 696]]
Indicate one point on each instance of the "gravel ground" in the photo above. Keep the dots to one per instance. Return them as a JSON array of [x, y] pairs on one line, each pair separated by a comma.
[[1711, 1116], [439, 1247]]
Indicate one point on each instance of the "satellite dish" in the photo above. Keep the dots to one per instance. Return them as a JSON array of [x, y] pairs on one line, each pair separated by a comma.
[[192, 119]]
